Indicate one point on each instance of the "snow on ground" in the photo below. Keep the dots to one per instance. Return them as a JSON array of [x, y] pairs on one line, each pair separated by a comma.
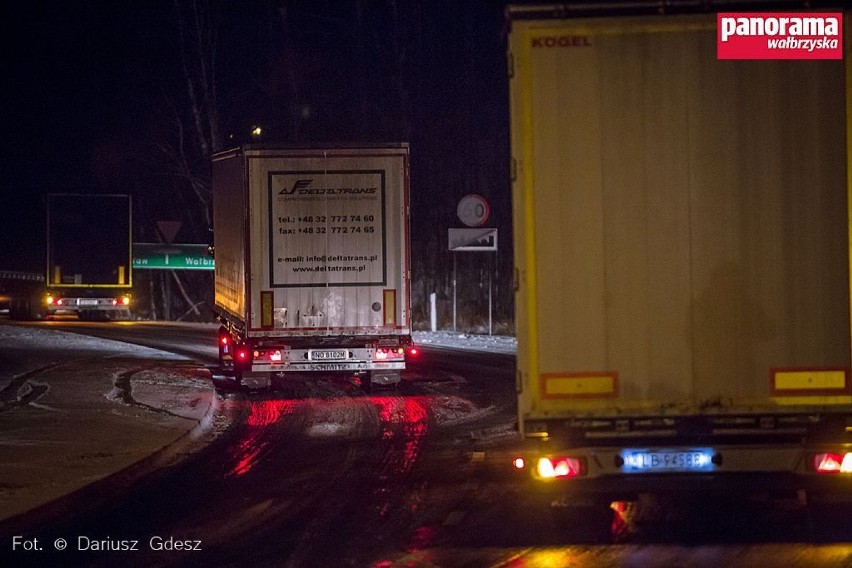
[[21, 337], [74, 409], [466, 341]]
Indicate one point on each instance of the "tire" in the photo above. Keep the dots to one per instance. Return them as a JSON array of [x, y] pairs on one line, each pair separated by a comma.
[[23, 310]]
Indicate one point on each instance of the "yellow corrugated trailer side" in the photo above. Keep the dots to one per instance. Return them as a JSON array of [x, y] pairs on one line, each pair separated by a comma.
[[681, 229]]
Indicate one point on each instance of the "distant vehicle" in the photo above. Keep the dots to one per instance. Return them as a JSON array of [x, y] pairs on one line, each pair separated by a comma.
[[312, 262], [89, 268], [17, 288], [681, 243]]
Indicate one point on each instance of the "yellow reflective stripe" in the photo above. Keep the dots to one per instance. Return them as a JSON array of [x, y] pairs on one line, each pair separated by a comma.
[[266, 302], [810, 380], [524, 62], [848, 62], [579, 385]]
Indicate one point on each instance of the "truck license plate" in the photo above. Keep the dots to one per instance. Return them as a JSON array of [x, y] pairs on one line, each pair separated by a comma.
[[328, 355], [639, 461], [88, 302]]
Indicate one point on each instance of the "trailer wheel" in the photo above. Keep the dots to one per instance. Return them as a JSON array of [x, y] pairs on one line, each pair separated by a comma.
[[588, 523], [120, 315], [227, 381], [25, 310]]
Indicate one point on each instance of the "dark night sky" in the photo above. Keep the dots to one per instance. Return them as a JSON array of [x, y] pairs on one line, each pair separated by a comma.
[[85, 83], [77, 77]]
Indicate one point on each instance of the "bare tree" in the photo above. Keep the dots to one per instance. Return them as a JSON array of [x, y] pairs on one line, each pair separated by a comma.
[[198, 22]]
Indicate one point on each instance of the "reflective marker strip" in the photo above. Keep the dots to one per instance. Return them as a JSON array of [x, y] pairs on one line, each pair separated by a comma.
[[580, 385], [389, 298], [266, 308], [814, 382]]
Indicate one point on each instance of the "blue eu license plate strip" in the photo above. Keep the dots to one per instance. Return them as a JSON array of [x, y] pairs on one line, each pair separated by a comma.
[[650, 461]]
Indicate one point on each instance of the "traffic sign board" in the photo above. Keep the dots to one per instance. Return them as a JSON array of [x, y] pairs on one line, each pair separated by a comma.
[[473, 210], [161, 256], [472, 239]]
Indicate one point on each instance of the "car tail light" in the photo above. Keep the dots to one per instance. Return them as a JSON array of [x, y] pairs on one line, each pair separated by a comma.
[[559, 467], [519, 463], [831, 462], [59, 302], [413, 351]]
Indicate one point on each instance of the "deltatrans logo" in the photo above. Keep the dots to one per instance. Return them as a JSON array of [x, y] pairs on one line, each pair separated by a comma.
[[303, 187], [779, 35]]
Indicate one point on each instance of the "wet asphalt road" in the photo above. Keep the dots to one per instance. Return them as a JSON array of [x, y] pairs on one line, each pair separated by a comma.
[[318, 473]]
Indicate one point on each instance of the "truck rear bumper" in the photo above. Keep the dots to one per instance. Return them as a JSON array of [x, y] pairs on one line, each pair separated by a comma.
[[723, 486], [349, 366], [615, 473], [385, 374]]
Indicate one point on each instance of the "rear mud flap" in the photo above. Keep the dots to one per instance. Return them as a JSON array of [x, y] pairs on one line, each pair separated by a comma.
[[381, 379]]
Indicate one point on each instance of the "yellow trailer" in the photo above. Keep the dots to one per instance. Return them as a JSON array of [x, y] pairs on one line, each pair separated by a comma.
[[681, 232]]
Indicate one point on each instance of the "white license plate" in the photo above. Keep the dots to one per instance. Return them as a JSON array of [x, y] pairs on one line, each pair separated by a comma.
[[638, 461], [88, 302], [328, 355]]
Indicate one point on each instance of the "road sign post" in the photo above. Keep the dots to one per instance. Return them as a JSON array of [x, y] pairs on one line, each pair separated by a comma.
[[477, 240]]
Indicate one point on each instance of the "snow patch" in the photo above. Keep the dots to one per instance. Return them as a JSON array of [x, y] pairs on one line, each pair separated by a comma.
[[466, 341], [328, 430], [449, 411]]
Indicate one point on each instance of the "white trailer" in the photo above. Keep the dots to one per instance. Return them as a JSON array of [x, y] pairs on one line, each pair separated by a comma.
[[312, 261]]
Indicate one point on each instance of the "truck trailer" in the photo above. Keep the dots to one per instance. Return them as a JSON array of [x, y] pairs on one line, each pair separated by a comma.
[[89, 261], [312, 262], [681, 232]]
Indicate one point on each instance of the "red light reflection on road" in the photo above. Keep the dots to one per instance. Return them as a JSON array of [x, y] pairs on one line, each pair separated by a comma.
[[407, 417], [264, 413]]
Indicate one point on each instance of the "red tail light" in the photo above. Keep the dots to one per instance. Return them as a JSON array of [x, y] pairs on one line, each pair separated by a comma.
[[241, 354], [224, 338], [833, 462], [385, 353], [559, 467], [413, 351]]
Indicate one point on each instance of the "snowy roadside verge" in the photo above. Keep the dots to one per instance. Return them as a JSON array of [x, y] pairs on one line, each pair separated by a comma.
[[77, 409], [466, 341]]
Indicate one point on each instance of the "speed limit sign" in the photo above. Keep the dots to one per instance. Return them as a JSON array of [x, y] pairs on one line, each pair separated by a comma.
[[473, 210]]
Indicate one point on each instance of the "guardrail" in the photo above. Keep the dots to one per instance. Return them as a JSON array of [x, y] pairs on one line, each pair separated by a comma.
[[15, 275]]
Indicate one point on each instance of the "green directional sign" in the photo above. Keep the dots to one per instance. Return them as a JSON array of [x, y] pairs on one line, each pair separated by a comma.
[[161, 256]]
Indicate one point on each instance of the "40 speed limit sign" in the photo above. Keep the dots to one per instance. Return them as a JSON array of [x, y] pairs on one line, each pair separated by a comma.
[[473, 210]]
